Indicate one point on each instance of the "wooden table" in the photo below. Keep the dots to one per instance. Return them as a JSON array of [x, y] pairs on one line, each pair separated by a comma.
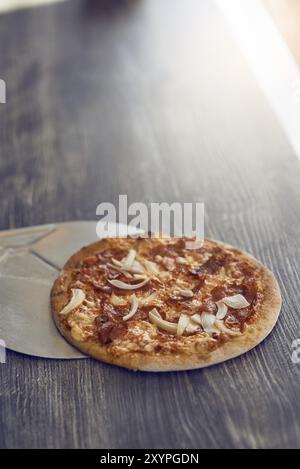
[[152, 99]]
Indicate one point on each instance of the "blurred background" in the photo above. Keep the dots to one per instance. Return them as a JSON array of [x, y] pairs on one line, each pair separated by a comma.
[[286, 14], [101, 92]]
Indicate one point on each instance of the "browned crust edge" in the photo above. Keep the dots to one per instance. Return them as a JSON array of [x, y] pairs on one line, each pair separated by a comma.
[[254, 334]]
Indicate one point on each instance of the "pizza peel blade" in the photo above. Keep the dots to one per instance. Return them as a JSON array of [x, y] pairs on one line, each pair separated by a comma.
[[30, 260]]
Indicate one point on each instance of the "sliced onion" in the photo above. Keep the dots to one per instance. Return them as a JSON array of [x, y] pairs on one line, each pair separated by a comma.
[[221, 326], [127, 274], [191, 327], [126, 286], [156, 319], [137, 268], [222, 310], [127, 263], [182, 323], [115, 267], [169, 263], [197, 319], [192, 245], [208, 323], [236, 301], [139, 276], [120, 269], [181, 260], [207, 320], [148, 299], [185, 293], [117, 263], [134, 307], [155, 313], [151, 267], [78, 296]]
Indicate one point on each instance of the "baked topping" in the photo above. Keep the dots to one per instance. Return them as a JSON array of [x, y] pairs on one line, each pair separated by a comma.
[[182, 324], [151, 267], [78, 296], [222, 328], [117, 300], [127, 264], [208, 323], [236, 302], [222, 309], [134, 307], [156, 319], [183, 292], [148, 299], [128, 286]]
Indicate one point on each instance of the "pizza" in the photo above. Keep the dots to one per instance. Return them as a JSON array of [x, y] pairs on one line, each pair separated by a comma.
[[163, 304]]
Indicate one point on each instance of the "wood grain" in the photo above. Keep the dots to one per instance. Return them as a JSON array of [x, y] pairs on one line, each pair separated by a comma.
[[152, 99]]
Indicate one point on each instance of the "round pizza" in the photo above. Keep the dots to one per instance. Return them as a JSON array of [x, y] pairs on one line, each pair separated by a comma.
[[163, 304]]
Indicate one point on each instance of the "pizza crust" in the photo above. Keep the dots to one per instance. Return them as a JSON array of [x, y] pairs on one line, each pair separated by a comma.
[[155, 362]]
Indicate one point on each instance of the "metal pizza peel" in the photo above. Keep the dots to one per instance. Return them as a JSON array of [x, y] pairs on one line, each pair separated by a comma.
[[30, 260]]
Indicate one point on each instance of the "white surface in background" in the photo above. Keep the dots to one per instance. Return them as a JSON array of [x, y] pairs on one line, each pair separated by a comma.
[[8, 5], [270, 60]]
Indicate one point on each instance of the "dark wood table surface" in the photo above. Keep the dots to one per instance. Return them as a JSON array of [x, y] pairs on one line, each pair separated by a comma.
[[152, 99]]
